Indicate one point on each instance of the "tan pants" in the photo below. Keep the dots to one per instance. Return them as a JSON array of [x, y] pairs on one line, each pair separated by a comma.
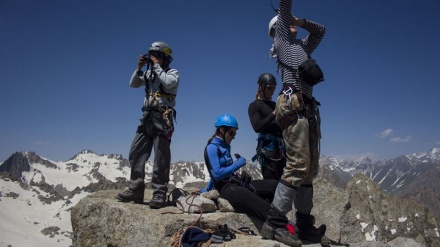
[[302, 137]]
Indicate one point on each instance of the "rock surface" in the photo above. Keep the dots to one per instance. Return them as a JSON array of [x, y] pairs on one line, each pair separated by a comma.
[[358, 216]]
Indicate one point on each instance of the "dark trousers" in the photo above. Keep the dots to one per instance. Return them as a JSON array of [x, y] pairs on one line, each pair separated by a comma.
[[273, 169], [256, 204], [152, 132]]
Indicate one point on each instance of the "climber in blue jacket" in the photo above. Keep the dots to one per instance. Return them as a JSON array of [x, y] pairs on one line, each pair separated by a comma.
[[251, 197]]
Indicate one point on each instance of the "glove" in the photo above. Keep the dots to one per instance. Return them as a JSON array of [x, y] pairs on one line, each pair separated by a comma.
[[240, 162], [216, 239], [223, 233], [245, 177]]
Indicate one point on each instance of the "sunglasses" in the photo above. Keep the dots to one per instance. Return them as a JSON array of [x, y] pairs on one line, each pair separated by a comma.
[[232, 133], [271, 87], [157, 54]]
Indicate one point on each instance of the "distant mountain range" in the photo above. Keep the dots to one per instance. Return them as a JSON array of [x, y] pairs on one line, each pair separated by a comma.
[[36, 194], [414, 176]]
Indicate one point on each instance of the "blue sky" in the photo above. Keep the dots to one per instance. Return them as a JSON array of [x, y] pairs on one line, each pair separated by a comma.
[[65, 68]]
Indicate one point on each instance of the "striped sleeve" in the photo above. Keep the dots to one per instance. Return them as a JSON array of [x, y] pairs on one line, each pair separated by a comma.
[[316, 34], [291, 51]]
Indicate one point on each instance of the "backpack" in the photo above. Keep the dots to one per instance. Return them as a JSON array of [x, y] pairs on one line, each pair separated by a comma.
[[308, 70], [175, 194], [191, 236]]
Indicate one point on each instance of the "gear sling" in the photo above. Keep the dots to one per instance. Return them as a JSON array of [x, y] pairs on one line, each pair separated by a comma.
[[161, 93]]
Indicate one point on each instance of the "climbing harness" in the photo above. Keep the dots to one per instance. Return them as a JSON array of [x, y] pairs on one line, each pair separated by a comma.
[[269, 146], [168, 113]]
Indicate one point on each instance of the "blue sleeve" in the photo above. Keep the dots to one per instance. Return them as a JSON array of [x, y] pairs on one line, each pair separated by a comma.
[[218, 172]]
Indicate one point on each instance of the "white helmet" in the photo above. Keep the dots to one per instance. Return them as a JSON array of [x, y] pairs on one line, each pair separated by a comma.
[[161, 47], [272, 26]]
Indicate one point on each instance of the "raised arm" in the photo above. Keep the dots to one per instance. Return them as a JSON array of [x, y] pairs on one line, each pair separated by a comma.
[[316, 34]]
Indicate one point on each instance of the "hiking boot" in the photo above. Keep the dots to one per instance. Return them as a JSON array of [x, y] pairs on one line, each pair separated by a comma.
[[314, 235], [280, 234], [308, 232], [130, 195], [158, 201]]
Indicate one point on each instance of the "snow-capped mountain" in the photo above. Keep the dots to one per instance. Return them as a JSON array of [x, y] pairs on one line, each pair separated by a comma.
[[415, 176], [393, 175], [36, 193], [432, 155]]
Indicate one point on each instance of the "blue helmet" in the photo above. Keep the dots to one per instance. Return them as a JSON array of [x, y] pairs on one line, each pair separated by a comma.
[[226, 120]]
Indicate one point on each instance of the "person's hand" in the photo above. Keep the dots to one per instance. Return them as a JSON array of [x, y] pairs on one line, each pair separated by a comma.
[[141, 62], [297, 22], [241, 162], [154, 59]]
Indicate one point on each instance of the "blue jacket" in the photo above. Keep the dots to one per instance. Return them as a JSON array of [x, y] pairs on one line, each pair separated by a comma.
[[219, 155]]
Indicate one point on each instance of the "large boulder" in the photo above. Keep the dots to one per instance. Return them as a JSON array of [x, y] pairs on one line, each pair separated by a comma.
[[362, 216], [100, 220]]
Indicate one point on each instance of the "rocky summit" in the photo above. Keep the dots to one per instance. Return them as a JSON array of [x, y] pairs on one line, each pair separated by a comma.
[[361, 216]]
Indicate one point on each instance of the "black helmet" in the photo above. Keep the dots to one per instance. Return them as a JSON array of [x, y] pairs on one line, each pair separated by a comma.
[[266, 78]]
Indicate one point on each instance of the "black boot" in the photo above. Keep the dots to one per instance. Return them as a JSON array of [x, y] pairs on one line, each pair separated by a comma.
[[280, 234], [158, 201], [130, 195], [308, 232], [275, 228]]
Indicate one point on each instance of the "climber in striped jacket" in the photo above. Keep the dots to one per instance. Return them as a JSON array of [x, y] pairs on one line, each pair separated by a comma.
[[297, 113]]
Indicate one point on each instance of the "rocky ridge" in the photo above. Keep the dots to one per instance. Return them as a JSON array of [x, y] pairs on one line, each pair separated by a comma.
[[362, 216]]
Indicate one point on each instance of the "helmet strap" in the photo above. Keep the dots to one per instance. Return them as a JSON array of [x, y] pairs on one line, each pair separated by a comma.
[[223, 134], [263, 90], [167, 61]]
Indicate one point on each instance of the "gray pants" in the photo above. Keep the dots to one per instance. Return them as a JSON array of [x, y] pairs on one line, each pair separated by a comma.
[[152, 132]]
